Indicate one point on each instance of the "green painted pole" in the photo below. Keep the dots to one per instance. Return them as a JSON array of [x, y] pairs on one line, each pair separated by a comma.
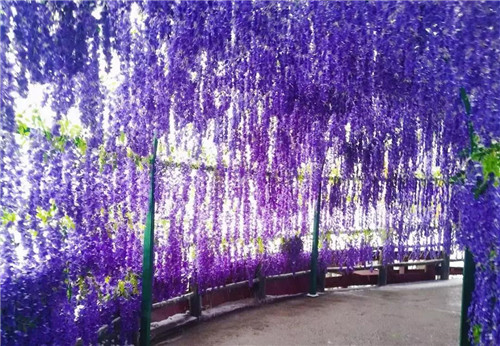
[[467, 288], [313, 284], [147, 264], [469, 265]]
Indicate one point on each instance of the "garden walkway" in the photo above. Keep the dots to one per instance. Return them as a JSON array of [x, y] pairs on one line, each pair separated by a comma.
[[426, 313]]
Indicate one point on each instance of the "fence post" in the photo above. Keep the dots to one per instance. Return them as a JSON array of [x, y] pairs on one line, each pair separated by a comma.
[[445, 267], [195, 302], [382, 276], [322, 281], [148, 259], [382, 272], [260, 286]]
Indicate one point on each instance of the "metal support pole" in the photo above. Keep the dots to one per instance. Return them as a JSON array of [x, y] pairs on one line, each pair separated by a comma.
[[467, 288], [314, 254], [469, 265], [147, 264]]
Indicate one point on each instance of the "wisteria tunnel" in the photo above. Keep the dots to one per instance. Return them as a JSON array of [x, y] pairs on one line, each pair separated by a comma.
[[155, 154]]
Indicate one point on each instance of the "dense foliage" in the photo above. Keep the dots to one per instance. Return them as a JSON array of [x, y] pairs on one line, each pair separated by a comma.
[[254, 103]]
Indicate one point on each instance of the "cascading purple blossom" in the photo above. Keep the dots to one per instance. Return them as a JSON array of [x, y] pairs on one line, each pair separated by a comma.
[[254, 103]]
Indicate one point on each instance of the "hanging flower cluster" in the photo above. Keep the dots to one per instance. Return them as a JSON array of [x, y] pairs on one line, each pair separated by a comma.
[[254, 104]]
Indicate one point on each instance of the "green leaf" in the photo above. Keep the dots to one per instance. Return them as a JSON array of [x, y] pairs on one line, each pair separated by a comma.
[[42, 215], [8, 217], [121, 288], [476, 333], [121, 139], [102, 157], [328, 236], [480, 188], [81, 145], [45, 215], [47, 135], [64, 126], [68, 222], [59, 143], [82, 285], [437, 174], [493, 254], [367, 233], [465, 100], [23, 129], [491, 164], [192, 253], [458, 178], [260, 244], [134, 282], [419, 175], [300, 177], [69, 291]]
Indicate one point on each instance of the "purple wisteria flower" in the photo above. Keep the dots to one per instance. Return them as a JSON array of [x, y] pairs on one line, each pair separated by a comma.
[[254, 104]]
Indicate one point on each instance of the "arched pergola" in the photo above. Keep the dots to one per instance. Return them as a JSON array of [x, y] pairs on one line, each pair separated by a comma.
[[290, 136]]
